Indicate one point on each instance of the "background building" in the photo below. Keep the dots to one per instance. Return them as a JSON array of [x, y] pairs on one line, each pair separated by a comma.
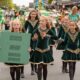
[[44, 3]]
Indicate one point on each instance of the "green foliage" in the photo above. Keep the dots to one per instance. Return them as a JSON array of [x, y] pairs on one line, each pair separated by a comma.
[[6, 3], [50, 1]]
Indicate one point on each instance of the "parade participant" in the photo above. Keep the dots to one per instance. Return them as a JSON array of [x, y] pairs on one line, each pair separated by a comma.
[[22, 18], [16, 16], [15, 26], [42, 55], [7, 22], [2, 20], [63, 28], [74, 15], [54, 32], [72, 42], [30, 25]]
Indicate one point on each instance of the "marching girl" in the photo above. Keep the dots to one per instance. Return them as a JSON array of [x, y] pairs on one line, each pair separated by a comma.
[[15, 26], [22, 20], [54, 32], [19, 16], [62, 29], [42, 55], [7, 21], [30, 25], [72, 41]]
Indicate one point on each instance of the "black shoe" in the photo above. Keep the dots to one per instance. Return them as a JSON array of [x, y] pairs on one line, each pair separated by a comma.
[[36, 71], [32, 73], [51, 64], [13, 79], [65, 71], [22, 75]]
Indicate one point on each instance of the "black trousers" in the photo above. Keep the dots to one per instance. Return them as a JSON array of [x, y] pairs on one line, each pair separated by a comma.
[[72, 67], [42, 70], [15, 73]]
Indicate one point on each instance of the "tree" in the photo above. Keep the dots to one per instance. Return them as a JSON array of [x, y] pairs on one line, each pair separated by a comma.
[[50, 1], [6, 3], [17, 8]]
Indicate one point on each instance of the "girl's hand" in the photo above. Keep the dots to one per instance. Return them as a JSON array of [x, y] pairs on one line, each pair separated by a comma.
[[35, 37], [29, 49], [43, 34], [77, 51], [55, 45]]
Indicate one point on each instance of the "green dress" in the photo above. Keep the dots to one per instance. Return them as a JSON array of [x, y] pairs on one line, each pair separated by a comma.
[[72, 47], [53, 37], [30, 28], [42, 49], [62, 31]]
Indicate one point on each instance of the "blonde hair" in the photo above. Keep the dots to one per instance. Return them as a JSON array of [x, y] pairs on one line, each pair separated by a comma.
[[13, 22], [50, 21], [74, 7], [47, 22]]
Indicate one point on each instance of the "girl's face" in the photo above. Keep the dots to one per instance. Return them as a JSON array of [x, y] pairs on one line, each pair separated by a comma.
[[43, 22], [65, 20], [33, 15], [72, 27], [16, 27]]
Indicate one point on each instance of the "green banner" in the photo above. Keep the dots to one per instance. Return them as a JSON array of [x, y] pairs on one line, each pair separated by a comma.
[[14, 47]]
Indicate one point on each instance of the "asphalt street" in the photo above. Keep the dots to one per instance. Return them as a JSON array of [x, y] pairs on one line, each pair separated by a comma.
[[54, 72]]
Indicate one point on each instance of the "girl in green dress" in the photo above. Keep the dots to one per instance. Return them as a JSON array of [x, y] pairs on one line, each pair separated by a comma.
[[42, 55], [30, 25], [63, 28], [72, 42], [52, 28]]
